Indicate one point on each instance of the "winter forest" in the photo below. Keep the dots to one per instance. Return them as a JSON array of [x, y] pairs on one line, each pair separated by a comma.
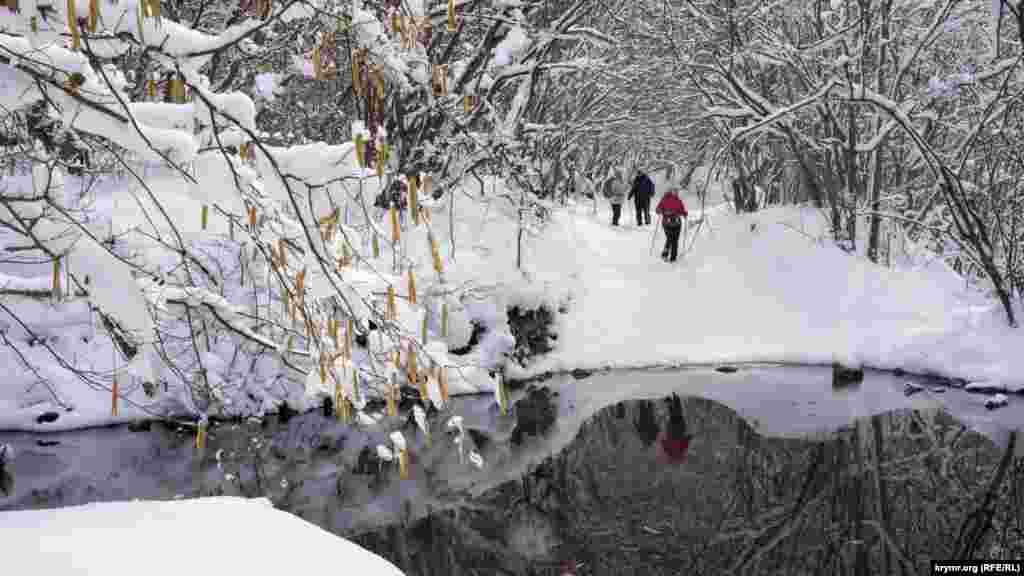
[[359, 259]]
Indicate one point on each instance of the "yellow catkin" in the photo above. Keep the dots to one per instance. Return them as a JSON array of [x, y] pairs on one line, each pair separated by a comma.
[[444, 320], [379, 82], [56, 278], [452, 22], [344, 410], [435, 253], [421, 383], [392, 309], [178, 89], [349, 330], [323, 370], [379, 166], [243, 151], [94, 14], [76, 38], [332, 329], [392, 397], [154, 8], [71, 85], [442, 382], [201, 435], [385, 153], [396, 22], [412, 286], [355, 383], [318, 72], [339, 398], [114, 393], [502, 396], [151, 88], [427, 185], [403, 465], [376, 246], [414, 199], [396, 230], [360, 151], [423, 330], [468, 103], [205, 216], [410, 366]]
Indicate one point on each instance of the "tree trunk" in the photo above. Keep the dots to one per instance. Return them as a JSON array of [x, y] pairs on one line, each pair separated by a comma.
[[877, 155]]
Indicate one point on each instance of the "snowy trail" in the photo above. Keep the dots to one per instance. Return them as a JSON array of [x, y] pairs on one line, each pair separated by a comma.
[[759, 288]]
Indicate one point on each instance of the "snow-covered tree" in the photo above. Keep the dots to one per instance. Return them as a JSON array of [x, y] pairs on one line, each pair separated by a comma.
[[875, 111], [209, 188]]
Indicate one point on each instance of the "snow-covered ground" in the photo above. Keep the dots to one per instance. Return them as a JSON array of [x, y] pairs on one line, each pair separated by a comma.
[[766, 287], [205, 536]]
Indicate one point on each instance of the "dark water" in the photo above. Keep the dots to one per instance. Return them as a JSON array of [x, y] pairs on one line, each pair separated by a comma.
[[783, 475]]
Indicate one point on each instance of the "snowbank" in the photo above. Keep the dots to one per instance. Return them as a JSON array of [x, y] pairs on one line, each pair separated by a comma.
[[209, 535], [766, 287], [762, 288]]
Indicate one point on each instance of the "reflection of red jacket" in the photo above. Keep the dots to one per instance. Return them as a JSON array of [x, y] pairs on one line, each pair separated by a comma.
[[671, 205], [673, 450]]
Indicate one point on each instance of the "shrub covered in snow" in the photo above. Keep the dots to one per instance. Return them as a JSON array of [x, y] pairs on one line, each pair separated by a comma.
[[208, 258]]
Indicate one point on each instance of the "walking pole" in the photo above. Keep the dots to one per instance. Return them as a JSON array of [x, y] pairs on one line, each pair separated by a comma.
[[686, 232], [654, 234]]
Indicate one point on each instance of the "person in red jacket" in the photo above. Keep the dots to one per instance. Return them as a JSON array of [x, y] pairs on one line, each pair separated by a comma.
[[672, 211]]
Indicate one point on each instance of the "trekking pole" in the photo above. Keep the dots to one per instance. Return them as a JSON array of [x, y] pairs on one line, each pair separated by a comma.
[[686, 233], [654, 234]]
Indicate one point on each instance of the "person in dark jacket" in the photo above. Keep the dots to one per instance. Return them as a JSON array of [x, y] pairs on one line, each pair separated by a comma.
[[641, 194], [672, 211]]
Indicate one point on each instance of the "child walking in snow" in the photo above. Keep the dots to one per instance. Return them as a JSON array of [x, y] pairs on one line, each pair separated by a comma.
[[672, 211]]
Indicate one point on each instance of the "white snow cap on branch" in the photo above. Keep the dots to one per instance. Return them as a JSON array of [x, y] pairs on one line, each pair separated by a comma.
[[515, 43]]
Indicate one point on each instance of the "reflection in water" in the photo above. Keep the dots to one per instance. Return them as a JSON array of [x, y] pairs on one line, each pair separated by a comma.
[[657, 484], [885, 495]]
